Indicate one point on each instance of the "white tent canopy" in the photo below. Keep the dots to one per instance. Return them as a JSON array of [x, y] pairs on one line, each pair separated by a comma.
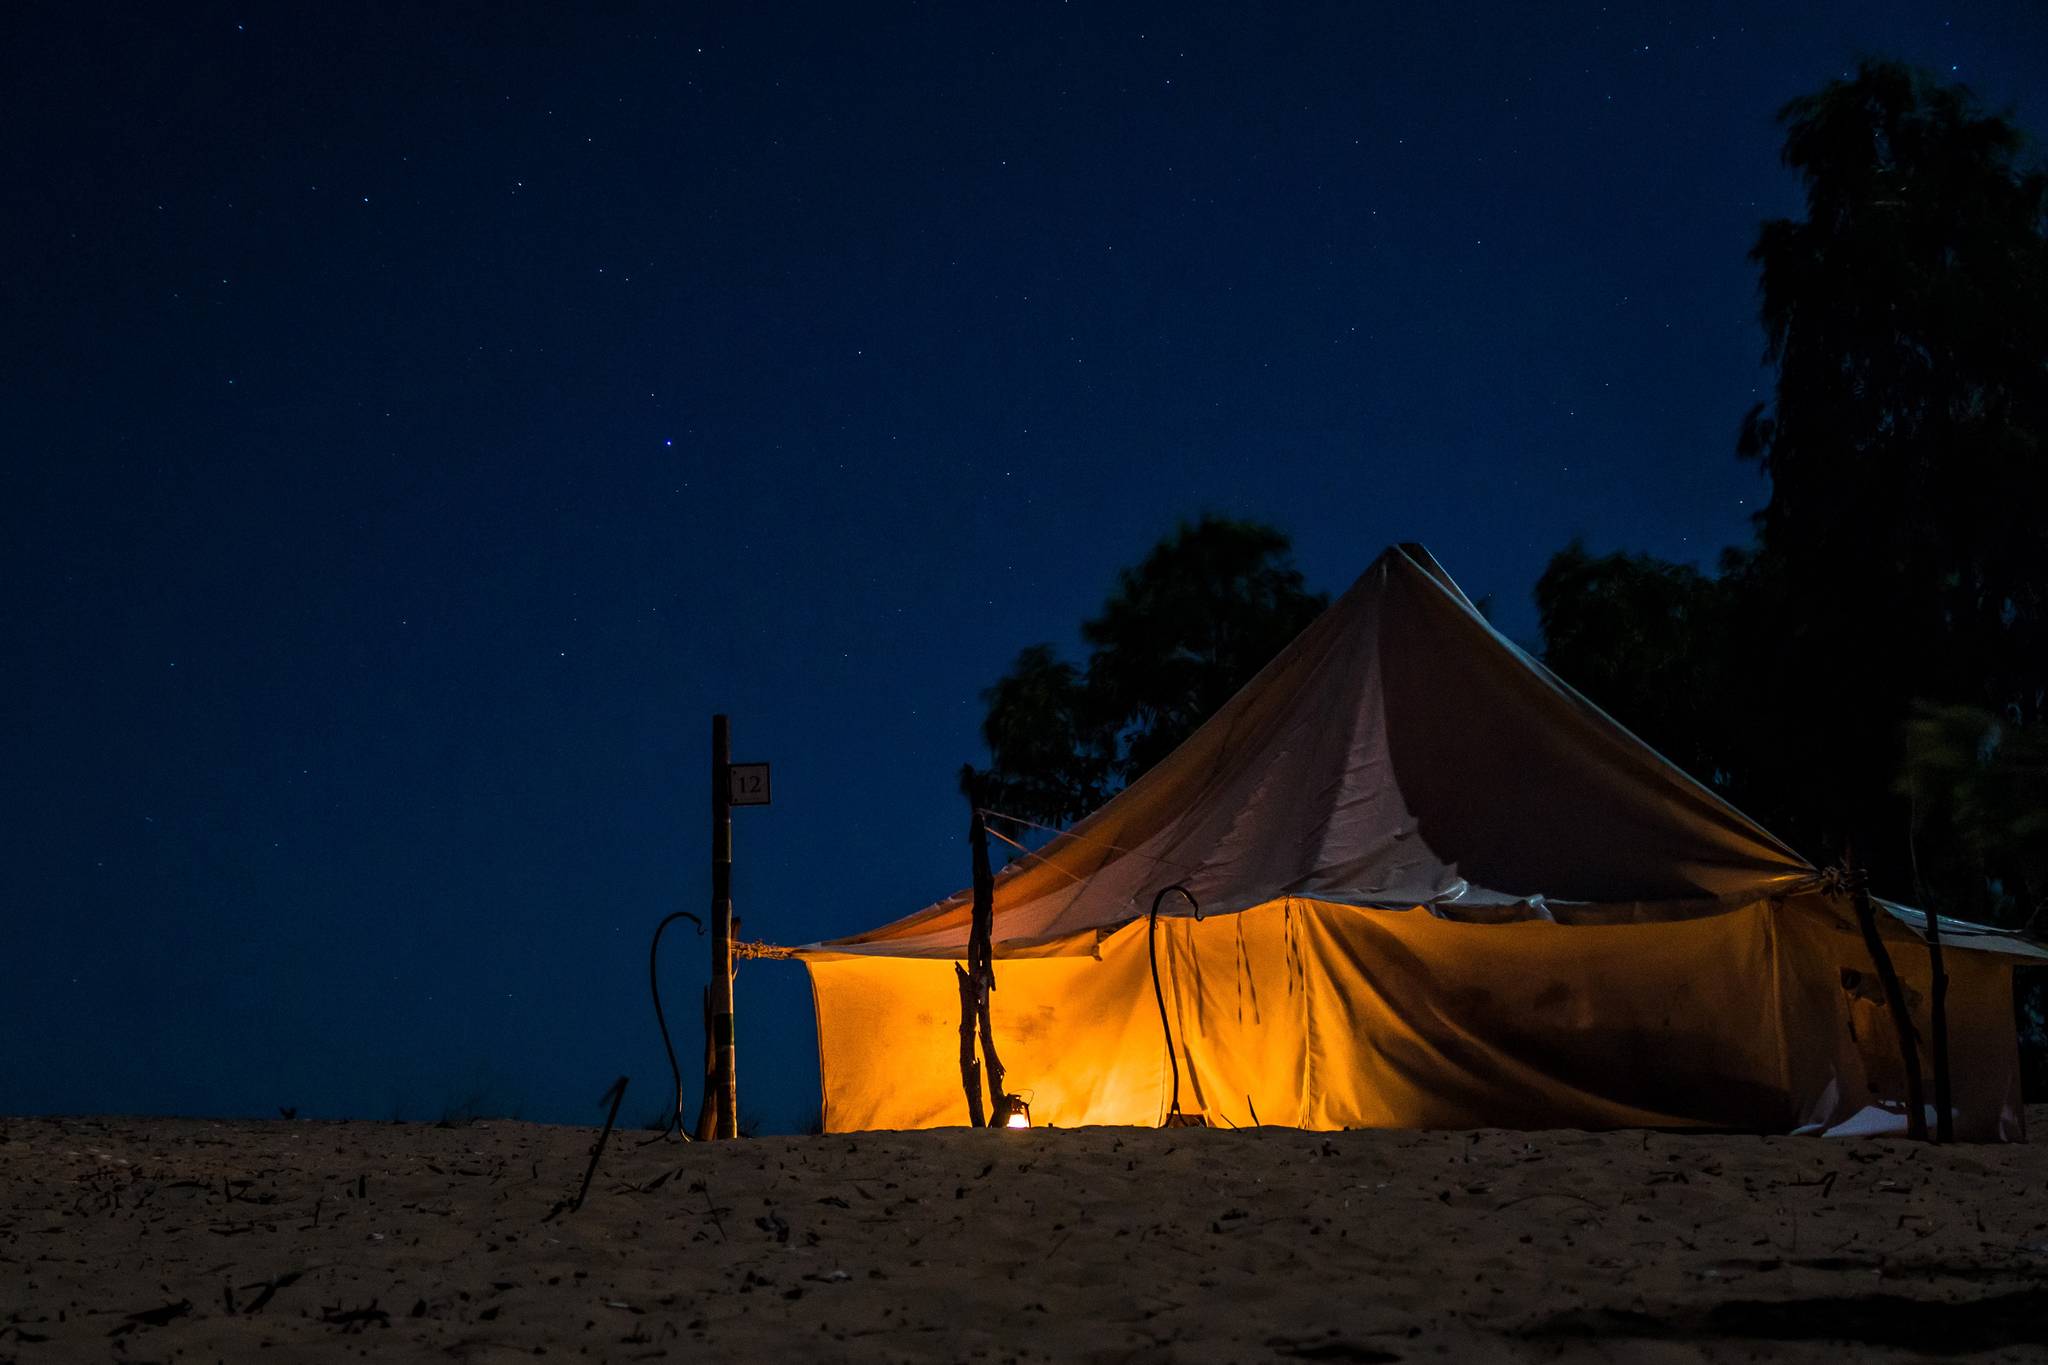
[[1399, 753], [1438, 887]]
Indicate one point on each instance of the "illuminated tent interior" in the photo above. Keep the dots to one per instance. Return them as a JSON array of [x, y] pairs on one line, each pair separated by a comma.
[[1437, 888]]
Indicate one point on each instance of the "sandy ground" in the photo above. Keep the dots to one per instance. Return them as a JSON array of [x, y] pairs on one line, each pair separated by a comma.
[[190, 1240]]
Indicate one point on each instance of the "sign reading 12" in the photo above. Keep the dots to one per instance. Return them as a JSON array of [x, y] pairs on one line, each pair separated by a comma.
[[747, 784]]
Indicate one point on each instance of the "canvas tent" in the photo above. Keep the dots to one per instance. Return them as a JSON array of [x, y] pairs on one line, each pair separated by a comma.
[[1438, 888]]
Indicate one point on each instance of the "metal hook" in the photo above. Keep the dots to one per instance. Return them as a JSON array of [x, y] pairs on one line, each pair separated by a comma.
[[1174, 1118]]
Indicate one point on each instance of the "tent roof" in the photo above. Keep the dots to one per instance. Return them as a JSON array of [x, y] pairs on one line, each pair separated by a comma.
[[1400, 752]]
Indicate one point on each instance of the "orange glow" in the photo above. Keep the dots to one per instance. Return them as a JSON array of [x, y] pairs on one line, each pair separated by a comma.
[[1315, 1015]]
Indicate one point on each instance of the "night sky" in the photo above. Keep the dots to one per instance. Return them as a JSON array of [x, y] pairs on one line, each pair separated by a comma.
[[416, 426]]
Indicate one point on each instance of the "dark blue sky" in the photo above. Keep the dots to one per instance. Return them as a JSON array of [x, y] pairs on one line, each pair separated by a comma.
[[416, 426]]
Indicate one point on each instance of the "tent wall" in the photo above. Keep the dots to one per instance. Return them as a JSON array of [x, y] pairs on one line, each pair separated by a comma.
[[1850, 1060], [1078, 1038], [1326, 1016]]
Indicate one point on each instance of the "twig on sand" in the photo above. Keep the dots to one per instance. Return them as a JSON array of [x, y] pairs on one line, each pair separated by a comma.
[[352, 1320], [270, 1288], [153, 1317], [615, 1093], [1549, 1194], [704, 1187]]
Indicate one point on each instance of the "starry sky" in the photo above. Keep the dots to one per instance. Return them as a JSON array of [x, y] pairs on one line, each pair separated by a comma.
[[416, 425]]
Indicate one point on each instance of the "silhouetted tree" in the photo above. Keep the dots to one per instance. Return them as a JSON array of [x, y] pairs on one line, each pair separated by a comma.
[[1977, 786], [1052, 756], [1904, 543], [1902, 558], [1654, 643], [1184, 630]]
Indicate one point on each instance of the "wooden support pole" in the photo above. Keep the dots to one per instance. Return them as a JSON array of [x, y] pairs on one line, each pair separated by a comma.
[[726, 1124], [998, 1102], [970, 1065], [1895, 1002], [1937, 1027], [981, 963]]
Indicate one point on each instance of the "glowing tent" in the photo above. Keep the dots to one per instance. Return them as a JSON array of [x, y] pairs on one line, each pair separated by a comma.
[[1438, 889]]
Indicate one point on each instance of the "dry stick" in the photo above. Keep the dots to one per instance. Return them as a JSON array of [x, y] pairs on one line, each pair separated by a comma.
[[1895, 1002], [712, 1209], [998, 1102], [970, 1065], [615, 1093]]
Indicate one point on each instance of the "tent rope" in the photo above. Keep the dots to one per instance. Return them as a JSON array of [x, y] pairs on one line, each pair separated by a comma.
[[1058, 833], [1034, 853]]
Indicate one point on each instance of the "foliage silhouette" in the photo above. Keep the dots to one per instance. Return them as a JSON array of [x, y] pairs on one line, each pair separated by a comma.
[[1902, 558], [1185, 628], [1653, 642], [1875, 672], [1903, 546]]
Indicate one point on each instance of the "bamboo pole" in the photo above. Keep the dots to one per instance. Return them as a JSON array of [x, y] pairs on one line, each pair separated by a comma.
[[727, 1108]]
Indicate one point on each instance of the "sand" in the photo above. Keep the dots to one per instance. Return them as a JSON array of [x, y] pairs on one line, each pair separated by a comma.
[[190, 1240]]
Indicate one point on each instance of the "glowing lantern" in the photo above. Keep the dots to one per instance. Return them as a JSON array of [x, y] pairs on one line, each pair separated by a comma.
[[1017, 1114]]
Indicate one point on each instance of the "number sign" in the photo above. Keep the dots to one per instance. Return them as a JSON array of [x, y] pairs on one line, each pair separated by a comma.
[[747, 783]]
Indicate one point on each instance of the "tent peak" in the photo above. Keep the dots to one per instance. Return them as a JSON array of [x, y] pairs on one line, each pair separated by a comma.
[[1416, 553], [1399, 751]]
